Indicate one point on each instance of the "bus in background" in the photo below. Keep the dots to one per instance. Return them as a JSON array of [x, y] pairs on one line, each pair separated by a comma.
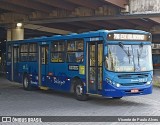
[[113, 63]]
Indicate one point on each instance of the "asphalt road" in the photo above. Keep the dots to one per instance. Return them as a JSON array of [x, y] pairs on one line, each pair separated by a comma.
[[14, 101]]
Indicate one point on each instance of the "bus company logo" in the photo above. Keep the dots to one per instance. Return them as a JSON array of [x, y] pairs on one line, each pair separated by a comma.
[[6, 119], [59, 82], [134, 80], [110, 90], [138, 80], [35, 83]]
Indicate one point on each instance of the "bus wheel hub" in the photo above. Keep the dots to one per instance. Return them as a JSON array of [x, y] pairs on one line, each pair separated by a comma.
[[79, 90], [26, 82]]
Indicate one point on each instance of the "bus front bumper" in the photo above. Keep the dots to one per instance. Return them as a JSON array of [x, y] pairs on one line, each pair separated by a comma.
[[112, 91]]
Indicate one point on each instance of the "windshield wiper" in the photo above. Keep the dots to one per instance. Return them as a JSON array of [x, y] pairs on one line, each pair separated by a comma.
[[140, 51], [127, 52]]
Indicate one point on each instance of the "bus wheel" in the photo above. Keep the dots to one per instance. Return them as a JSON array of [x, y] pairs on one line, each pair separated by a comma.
[[79, 92], [26, 83]]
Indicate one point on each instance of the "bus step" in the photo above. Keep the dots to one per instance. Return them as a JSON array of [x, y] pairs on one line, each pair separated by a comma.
[[43, 87]]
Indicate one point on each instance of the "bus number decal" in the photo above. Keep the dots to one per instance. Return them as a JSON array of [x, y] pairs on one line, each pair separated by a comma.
[[15, 45], [43, 43], [73, 67], [94, 39]]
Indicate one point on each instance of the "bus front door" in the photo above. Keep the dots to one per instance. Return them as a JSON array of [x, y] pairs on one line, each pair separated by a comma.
[[15, 63], [43, 64], [95, 54]]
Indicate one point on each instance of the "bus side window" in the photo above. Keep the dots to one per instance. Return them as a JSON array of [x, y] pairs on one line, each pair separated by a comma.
[[75, 50], [71, 57], [57, 51], [24, 52], [32, 52]]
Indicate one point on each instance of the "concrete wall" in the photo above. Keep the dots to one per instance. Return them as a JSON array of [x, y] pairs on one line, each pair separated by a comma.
[[144, 6]]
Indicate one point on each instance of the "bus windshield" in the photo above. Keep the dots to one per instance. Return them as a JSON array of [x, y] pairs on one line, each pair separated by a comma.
[[129, 58]]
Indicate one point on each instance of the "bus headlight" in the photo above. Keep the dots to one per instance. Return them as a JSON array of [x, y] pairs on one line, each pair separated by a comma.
[[118, 85], [149, 82]]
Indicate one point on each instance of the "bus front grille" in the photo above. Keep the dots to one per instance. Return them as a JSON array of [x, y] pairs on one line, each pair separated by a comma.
[[132, 84]]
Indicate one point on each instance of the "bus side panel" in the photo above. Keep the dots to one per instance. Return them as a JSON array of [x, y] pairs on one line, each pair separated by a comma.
[[16, 72], [23, 68], [59, 80], [61, 76], [30, 69], [33, 73], [8, 71]]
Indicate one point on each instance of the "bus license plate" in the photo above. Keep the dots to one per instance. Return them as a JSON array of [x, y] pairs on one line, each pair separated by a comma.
[[134, 90]]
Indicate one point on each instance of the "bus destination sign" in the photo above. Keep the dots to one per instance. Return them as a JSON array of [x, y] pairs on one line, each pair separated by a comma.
[[125, 36]]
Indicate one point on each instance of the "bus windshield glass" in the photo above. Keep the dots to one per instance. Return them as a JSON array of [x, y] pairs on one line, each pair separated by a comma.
[[129, 58]]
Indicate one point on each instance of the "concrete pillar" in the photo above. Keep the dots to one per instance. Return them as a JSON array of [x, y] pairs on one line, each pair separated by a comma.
[[15, 33], [9, 35]]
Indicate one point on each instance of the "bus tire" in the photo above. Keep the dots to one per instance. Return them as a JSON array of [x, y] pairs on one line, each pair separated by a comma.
[[26, 83], [79, 92]]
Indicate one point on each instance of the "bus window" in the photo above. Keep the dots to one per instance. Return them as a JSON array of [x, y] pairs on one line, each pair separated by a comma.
[[100, 61], [57, 51], [44, 53], [75, 51], [92, 55], [24, 52], [32, 52], [16, 54]]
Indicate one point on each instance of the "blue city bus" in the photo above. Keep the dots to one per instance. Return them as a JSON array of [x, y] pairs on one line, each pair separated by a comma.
[[113, 63]]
